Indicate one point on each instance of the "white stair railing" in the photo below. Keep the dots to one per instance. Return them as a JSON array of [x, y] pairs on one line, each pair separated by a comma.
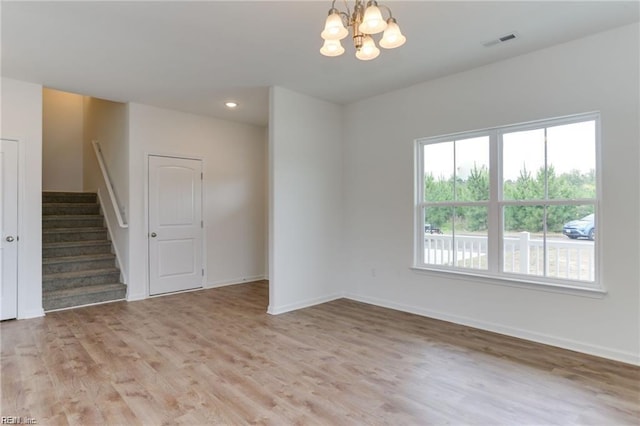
[[109, 185]]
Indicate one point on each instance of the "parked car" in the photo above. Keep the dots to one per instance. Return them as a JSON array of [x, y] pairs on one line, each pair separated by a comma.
[[430, 229], [580, 228]]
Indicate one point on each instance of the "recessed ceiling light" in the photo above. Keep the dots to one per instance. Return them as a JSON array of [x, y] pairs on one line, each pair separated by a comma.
[[231, 104]]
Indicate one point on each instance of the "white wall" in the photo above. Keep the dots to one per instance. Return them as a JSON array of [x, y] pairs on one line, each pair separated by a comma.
[[305, 235], [598, 73], [61, 141], [21, 119], [107, 123], [234, 190]]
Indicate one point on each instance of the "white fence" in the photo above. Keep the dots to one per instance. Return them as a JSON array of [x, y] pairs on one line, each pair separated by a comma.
[[568, 259]]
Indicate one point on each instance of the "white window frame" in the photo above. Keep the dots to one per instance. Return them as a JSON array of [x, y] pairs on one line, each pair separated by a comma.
[[495, 246]]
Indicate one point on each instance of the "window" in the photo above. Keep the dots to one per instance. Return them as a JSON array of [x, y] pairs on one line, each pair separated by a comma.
[[516, 202]]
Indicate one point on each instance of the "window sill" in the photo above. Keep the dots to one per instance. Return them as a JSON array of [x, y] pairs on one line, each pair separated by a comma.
[[596, 293]]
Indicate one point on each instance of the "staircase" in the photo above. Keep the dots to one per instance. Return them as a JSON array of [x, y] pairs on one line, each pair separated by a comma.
[[78, 267]]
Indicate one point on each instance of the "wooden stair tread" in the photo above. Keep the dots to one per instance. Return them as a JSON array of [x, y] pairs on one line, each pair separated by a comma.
[[68, 204], [69, 216], [70, 230], [79, 267], [67, 193], [79, 258], [79, 274], [82, 296], [75, 243], [83, 290]]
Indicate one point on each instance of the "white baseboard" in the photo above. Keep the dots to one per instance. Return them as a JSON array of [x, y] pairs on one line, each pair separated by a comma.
[[277, 310], [234, 281], [35, 313], [587, 348], [87, 305], [136, 297], [222, 283]]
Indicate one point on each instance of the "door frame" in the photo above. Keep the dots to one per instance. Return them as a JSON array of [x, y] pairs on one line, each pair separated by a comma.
[[29, 298], [18, 230], [147, 155]]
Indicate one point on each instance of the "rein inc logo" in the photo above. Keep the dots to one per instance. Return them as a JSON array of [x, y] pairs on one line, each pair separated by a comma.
[[18, 420]]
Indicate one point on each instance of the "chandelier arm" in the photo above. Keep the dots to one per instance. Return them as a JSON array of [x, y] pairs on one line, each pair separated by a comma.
[[381, 6], [345, 18], [346, 6]]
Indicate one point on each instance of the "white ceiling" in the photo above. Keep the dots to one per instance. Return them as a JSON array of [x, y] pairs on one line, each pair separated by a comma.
[[192, 56]]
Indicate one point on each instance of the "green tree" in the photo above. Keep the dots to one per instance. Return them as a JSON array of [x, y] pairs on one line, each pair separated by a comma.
[[435, 190], [475, 188], [519, 218], [545, 183]]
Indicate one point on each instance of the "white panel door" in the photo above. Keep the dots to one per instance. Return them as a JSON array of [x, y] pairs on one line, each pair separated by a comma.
[[175, 224], [9, 229]]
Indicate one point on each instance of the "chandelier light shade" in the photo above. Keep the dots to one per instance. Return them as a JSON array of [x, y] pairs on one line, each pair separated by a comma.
[[364, 21], [372, 22], [332, 48], [334, 28], [392, 36], [368, 51]]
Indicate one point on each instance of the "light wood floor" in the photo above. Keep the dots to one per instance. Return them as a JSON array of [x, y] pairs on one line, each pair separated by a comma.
[[216, 357]]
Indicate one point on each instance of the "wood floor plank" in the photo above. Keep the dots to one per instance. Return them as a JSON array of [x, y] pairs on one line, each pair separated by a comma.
[[215, 357]]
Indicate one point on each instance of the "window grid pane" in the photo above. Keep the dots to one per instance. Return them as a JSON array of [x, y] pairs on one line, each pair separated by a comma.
[[546, 187]]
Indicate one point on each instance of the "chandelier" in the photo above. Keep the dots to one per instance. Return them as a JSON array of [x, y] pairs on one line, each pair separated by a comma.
[[364, 22]]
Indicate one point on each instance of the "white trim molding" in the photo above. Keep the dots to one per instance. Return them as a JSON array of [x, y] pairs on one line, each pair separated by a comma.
[[235, 281], [277, 310]]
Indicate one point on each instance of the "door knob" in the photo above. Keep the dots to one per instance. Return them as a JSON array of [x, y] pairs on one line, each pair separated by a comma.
[[153, 235], [10, 238]]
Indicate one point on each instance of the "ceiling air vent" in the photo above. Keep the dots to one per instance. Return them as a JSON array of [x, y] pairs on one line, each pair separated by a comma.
[[501, 39]]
